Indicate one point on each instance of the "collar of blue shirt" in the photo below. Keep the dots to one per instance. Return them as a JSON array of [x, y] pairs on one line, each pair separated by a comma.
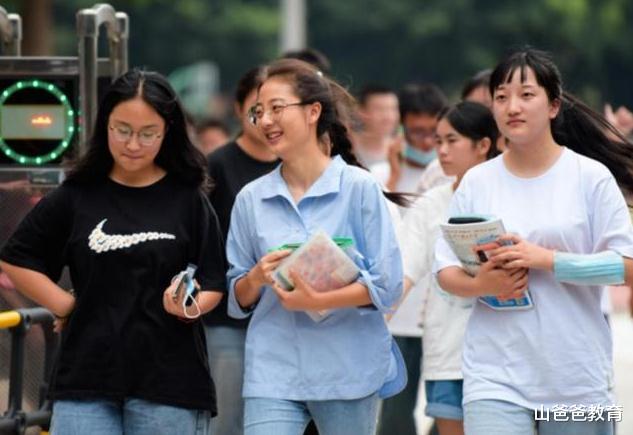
[[328, 182]]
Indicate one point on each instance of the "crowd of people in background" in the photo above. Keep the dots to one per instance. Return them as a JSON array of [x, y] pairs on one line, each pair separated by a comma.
[[237, 354]]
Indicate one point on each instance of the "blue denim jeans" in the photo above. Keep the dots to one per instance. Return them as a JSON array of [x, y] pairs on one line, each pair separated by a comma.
[[495, 417], [225, 347], [332, 417], [130, 417]]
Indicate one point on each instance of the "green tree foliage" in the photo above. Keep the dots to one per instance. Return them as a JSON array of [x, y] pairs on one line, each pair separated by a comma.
[[393, 42]]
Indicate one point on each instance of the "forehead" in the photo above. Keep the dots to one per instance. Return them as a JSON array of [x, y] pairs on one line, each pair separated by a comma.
[[136, 112], [381, 99], [421, 120], [444, 127], [520, 76], [276, 88]]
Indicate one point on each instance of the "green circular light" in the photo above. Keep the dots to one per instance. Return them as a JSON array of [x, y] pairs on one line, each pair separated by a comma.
[[70, 119]]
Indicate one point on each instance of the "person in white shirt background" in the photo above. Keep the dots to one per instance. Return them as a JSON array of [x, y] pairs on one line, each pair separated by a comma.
[[378, 114], [466, 134]]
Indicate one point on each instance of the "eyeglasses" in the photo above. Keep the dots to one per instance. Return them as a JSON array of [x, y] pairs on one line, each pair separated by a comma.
[[420, 133], [124, 134], [257, 112]]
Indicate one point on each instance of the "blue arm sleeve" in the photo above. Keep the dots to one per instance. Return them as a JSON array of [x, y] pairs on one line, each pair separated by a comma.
[[602, 268]]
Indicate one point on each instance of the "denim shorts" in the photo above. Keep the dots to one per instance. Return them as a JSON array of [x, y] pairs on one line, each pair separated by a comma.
[[444, 399]]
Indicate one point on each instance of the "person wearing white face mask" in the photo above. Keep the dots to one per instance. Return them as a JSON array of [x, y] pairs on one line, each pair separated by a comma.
[[412, 168], [412, 164]]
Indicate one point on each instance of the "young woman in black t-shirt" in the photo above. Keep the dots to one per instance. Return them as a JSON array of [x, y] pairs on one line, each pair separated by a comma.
[[131, 214]]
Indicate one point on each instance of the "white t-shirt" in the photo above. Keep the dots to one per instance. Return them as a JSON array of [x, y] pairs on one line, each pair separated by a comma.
[[560, 352], [406, 320], [444, 316], [412, 178]]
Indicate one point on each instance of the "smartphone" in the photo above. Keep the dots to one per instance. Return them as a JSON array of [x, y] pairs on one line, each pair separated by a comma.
[[481, 250]]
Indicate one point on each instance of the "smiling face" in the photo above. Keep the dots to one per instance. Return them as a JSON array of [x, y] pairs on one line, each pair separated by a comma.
[[456, 152], [522, 109], [134, 156], [286, 123]]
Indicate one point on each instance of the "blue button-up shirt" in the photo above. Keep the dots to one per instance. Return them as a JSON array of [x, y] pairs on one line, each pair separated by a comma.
[[288, 355]]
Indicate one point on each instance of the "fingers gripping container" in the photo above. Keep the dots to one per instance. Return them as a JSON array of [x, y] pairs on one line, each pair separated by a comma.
[[322, 264]]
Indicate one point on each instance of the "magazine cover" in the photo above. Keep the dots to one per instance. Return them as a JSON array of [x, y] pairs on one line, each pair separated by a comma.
[[321, 263], [470, 237]]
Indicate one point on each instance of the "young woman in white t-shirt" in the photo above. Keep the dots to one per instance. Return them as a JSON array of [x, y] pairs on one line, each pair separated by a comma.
[[465, 136], [570, 230]]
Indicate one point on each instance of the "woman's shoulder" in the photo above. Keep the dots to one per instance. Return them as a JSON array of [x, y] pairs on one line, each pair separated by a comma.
[[357, 176], [483, 171], [589, 168]]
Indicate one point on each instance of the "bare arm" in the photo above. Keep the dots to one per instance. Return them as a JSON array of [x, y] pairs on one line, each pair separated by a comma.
[[490, 280], [39, 288], [628, 275]]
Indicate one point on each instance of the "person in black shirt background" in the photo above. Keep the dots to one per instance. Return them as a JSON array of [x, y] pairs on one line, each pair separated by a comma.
[[130, 215], [231, 167]]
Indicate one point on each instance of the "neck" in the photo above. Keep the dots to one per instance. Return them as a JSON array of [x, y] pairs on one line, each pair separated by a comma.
[[302, 171], [375, 142], [532, 160], [255, 149], [142, 178]]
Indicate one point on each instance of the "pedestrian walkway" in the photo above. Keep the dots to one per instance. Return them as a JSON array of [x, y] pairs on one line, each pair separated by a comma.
[[623, 364]]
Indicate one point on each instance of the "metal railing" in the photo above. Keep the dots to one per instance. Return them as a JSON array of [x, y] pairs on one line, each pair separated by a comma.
[[18, 322]]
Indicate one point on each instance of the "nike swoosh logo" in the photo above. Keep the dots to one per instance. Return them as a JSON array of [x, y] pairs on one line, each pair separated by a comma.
[[99, 241]]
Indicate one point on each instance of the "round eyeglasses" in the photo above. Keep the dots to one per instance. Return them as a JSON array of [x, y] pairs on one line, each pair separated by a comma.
[[257, 112], [124, 134]]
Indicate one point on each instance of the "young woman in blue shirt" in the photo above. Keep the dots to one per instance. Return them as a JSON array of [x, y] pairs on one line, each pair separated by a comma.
[[296, 369]]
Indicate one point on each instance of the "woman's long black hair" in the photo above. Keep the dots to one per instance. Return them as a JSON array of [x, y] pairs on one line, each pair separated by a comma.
[[337, 109], [177, 155], [576, 126]]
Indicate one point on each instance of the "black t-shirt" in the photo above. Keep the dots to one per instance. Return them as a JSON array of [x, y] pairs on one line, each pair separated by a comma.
[[231, 169], [122, 246]]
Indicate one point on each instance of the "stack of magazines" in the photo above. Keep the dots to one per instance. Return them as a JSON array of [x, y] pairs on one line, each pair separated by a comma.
[[322, 264]]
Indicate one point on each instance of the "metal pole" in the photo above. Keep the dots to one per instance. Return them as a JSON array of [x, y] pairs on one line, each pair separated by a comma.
[[17, 367], [88, 23], [293, 25], [11, 33], [121, 52]]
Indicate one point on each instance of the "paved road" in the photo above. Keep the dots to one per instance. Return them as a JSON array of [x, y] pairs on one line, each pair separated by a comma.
[[623, 364]]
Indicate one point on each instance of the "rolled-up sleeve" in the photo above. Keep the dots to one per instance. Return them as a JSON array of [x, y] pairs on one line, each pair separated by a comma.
[[240, 252], [382, 272]]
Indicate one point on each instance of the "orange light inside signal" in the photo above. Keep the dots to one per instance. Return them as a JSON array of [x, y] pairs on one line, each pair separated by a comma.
[[41, 121]]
